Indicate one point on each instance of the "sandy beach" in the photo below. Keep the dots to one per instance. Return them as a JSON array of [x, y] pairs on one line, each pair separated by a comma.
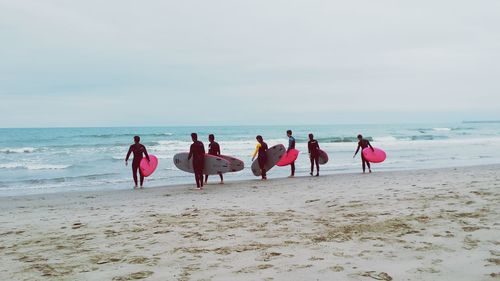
[[441, 224]]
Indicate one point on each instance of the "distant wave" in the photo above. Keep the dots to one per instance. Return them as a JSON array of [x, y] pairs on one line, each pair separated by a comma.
[[106, 136], [427, 137], [60, 179], [18, 150], [336, 139], [33, 166], [442, 129]]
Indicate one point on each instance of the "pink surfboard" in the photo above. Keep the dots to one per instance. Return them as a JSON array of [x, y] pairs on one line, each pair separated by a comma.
[[148, 167], [376, 156], [288, 158]]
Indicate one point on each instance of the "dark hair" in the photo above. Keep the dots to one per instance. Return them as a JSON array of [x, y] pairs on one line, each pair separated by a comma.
[[259, 138], [289, 132], [211, 137], [360, 136], [311, 136], [194, 136], [137, 138]]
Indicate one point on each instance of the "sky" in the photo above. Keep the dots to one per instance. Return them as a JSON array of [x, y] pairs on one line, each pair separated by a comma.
[[232, 62]]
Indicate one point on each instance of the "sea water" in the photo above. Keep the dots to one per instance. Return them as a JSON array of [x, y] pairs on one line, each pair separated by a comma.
[[50, 160]]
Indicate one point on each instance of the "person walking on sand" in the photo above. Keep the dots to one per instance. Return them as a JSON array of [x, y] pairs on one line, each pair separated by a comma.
[[138, 150], [313, 148], [362, 144], [214, 149], [291, 145], [197, 152], [261, 151]]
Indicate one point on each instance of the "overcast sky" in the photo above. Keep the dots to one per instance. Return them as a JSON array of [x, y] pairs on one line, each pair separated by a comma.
[[128, 63]]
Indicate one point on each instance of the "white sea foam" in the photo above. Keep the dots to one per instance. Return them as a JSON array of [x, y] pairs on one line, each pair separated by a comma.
[[33, 166], [442, 129], [18, 150], [385, 139]]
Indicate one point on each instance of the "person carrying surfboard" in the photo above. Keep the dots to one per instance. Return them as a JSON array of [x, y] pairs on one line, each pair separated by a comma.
[[214, 149], [197, 152], [291, 145], [313, 147], [362, 144], [138, 150], [261, 153]]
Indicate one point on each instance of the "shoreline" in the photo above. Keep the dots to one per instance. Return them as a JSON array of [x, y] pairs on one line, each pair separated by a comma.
[[189, 186], [438, 224]]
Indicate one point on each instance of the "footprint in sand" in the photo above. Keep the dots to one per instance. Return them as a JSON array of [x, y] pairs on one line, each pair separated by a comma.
[[252, 269], [336, 268], [268, 256], [493, 261], [134, 276], [377, 276], [77, 225], [103, 259]]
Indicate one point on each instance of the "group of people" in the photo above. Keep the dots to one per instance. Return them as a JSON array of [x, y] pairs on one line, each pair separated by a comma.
[[197, 154]]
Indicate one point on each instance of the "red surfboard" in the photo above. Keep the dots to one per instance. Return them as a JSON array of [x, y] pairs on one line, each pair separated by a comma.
[[148, 167], [288, 158], [376, 156]]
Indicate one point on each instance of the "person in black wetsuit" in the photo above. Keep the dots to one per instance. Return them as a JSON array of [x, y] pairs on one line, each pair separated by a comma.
[[197, 152], [313, 148], [291, 145], [138, 149], [261, 150], [213, 149], [362, 144]]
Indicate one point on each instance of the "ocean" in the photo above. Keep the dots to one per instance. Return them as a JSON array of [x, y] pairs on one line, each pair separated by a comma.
[[47, 160]]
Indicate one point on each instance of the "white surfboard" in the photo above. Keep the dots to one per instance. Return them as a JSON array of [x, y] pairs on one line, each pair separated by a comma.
[[274, 155], [213, 165]]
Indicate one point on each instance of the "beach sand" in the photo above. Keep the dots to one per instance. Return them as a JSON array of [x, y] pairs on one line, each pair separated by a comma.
[[441, 224]]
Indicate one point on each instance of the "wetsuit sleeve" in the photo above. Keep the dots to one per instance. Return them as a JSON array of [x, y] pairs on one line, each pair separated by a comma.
[[146, 153], [218, 150], [370, 145], [256, 150], [309, 147], [202, 149], [357, 150], [317, 145], [128, 153], [190, 152]]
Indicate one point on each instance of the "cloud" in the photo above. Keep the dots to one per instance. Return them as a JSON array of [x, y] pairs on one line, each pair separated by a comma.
[[273, 58]]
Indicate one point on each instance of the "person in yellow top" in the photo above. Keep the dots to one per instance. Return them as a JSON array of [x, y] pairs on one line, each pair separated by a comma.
[[261, 153]]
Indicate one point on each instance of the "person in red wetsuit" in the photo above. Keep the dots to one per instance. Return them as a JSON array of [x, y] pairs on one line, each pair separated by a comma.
[[197, 152], [362, 144], [291, 145], [313, 148], [138, 150], [213, 149], [261, 153]]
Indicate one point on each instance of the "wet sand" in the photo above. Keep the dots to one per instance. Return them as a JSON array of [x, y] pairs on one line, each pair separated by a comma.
[[411, 225]]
